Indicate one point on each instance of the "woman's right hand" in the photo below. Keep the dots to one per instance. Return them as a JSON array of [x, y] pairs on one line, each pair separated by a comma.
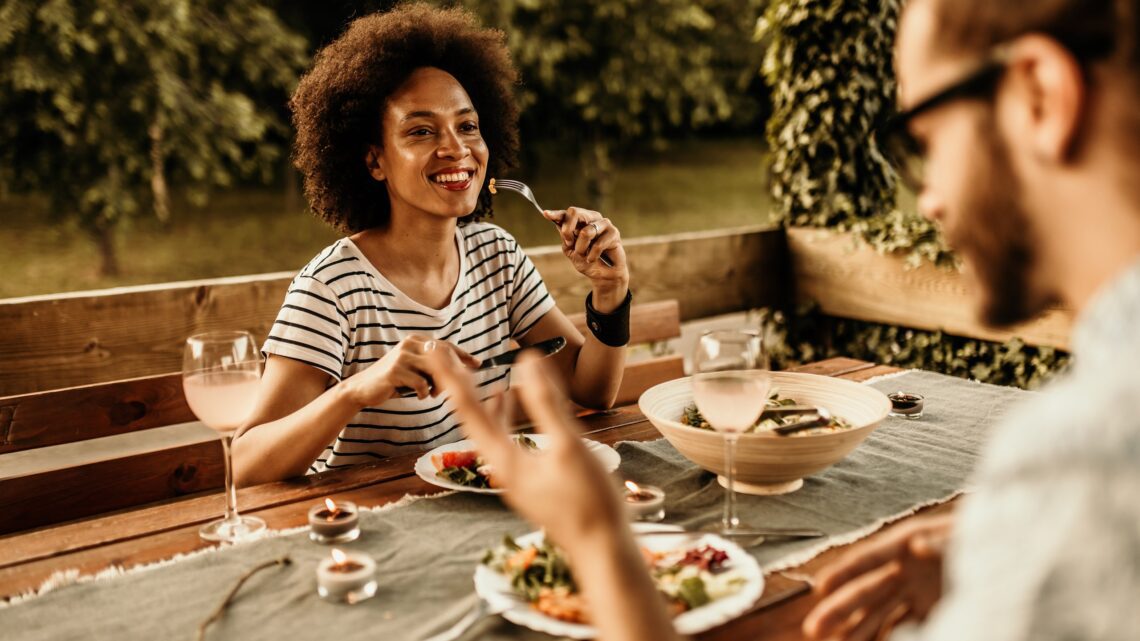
[[406, 365]]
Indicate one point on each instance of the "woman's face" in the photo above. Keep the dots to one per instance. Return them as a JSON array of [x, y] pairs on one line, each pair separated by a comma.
[[433, 158]]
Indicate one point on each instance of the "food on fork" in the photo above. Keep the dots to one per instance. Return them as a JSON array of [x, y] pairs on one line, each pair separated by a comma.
[[466, 467], [491, 187]]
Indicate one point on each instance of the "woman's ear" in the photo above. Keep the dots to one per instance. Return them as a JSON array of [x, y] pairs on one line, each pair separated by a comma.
[[372, 161]]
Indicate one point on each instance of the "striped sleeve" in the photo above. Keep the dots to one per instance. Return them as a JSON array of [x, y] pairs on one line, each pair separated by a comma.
[[529, 300], [311, 327]]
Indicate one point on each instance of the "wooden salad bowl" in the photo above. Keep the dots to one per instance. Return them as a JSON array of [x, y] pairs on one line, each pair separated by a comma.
[[768, 463]]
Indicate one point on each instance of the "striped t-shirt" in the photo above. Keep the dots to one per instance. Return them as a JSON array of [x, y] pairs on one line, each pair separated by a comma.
[[341, 315]]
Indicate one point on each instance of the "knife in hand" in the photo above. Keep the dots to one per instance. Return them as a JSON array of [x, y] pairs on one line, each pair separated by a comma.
[[545, 348]]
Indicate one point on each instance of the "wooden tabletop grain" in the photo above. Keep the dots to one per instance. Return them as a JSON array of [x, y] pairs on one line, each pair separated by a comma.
[[152, 533]]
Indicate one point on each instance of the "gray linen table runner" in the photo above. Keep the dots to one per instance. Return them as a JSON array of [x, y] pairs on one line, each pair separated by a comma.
[[426, 550]]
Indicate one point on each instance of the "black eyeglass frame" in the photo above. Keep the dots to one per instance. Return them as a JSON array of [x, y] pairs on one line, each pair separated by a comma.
[[894, 139]]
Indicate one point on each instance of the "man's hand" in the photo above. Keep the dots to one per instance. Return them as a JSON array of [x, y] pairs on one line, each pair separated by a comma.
[[884, 581], [563, 488]]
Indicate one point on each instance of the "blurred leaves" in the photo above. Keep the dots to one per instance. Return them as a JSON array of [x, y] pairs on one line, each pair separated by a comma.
[[828, 68], [102, 97], [810, 336], [603, 74]]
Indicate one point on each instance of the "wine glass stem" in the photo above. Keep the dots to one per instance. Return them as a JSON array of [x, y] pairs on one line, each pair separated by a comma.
[[231, 491], [730, 519]]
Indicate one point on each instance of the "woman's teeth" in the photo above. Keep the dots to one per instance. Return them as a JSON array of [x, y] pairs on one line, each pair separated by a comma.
[[452, 178]]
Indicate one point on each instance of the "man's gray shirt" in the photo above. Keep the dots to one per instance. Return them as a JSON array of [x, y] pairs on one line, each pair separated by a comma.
[[1048, 547]]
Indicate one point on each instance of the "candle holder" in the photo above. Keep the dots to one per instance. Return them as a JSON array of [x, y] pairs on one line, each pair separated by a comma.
[[334, 522], [644, 502], [346, 577], [906, 405]]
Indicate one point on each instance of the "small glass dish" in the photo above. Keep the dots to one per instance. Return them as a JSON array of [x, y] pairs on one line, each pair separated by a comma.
[[906, 405]]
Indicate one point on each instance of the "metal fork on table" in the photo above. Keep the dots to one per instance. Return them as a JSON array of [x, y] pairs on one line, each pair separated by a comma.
[[521, 188], [480, 610]]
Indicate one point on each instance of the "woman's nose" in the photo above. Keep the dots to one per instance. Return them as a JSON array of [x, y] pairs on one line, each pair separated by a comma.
[[451, 145]]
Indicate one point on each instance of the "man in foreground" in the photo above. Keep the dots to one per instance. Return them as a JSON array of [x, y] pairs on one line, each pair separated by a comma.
[[1020, 133]]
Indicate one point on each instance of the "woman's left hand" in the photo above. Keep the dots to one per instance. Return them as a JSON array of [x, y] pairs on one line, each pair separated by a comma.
[[585, 236]]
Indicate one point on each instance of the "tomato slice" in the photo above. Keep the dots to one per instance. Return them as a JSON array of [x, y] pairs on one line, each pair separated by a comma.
[[465, 458]]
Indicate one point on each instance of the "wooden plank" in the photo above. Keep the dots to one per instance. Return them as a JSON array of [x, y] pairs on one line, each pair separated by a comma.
[[75, 414], [49, 497], [849, 280], [641, 376], [710, 273], [75, 339], [40, 419], [93, 337]]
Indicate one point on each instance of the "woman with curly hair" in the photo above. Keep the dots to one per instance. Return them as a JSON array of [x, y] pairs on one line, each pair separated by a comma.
[[400, 124]]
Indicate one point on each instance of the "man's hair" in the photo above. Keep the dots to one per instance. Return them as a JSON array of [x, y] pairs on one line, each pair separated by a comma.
[[339, 104], [1107, 29]]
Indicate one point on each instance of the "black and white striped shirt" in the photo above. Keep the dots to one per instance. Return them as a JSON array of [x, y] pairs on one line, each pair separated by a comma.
[[341, 315]]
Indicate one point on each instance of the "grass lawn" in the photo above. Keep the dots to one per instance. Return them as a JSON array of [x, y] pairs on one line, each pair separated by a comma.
[[691, 186]]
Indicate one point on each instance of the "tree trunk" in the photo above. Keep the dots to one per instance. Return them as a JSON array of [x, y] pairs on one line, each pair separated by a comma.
[[158, 175], [109, 258], [597, 167]]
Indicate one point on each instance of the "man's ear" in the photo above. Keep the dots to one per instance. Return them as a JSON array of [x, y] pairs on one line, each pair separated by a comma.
[[1052, 87], [372, 161]]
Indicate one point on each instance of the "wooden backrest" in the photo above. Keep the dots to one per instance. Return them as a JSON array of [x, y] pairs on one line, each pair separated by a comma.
[[851, 280], [81, 338], [53, 494]]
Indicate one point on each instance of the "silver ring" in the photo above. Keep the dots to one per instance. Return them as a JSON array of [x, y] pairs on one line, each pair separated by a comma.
[[429, 347], [597, 230]]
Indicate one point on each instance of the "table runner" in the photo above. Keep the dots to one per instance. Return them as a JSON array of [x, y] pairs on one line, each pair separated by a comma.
[[426, 549]]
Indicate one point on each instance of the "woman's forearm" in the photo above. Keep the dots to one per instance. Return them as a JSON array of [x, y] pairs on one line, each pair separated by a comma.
[[597, 374], [286, 447], [598, 368]]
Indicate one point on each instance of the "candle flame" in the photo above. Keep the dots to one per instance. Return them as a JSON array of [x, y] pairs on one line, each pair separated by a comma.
[[330, 505], [339, 557], [632, 487]]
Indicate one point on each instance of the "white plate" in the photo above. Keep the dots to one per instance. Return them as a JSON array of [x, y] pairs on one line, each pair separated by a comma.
[[495, 588], [425, 470]]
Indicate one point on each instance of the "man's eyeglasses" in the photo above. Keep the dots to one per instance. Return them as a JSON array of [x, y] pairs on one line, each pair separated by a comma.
[[900, 148]]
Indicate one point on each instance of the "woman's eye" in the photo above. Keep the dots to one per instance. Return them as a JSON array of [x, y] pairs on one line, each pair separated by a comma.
[[422, 131], [469, 126]]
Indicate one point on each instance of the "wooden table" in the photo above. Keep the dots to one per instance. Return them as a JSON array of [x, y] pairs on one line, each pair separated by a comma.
[[156, 532]]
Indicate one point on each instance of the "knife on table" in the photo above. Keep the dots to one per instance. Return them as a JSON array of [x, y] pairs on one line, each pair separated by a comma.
[[547, 347]]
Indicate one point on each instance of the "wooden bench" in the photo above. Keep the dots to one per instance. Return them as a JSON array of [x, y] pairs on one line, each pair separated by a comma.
[[183, 457]]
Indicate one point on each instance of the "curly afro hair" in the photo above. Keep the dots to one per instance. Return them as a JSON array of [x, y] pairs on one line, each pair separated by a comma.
[[338, 105]]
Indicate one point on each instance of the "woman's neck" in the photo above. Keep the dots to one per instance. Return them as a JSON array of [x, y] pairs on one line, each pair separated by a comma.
[[418, 255]]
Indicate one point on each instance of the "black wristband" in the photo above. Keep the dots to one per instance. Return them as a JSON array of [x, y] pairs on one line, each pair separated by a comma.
[[613, 328]]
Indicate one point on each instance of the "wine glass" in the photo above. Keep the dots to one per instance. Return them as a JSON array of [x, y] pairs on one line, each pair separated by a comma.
[[220, 375], [731, 382]]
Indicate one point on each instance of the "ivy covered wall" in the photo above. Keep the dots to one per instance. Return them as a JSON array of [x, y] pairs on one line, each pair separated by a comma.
[[829, 70]]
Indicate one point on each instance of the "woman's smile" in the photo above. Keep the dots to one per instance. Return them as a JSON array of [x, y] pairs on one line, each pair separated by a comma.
[[454, 178]]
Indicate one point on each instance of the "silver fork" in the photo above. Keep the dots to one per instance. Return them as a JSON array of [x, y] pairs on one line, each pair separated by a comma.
[[521, 188], [477, 612]]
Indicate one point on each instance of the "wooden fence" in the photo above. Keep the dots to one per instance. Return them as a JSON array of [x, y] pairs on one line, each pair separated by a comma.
[[65, 340]]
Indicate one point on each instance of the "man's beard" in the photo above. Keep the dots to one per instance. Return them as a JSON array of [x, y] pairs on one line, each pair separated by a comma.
[[996, 236]]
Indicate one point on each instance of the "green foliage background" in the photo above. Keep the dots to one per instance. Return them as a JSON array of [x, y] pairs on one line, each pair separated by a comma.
[[828, 67], [105, 102], [603, 75]]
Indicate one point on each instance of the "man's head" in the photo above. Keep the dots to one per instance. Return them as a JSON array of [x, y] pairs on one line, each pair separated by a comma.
[[1021, 109]]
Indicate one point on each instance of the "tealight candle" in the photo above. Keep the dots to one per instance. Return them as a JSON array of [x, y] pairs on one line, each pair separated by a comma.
[[346, 577], [644, 502], [906, 405], [334, 522]]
